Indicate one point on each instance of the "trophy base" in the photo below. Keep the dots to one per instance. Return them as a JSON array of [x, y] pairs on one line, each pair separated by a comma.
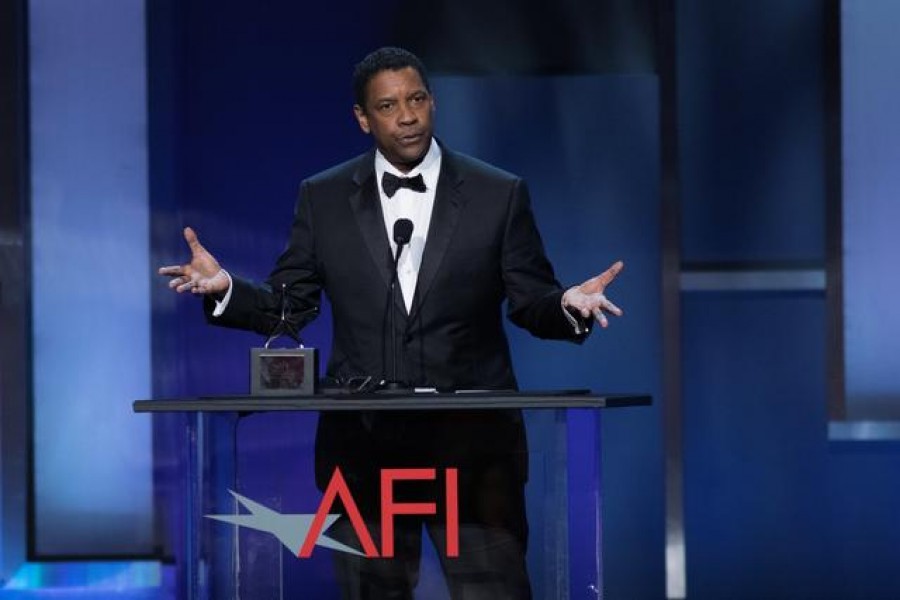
[[283, 371]]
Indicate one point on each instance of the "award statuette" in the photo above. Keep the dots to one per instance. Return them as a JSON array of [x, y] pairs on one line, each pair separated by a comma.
[[285, 371]]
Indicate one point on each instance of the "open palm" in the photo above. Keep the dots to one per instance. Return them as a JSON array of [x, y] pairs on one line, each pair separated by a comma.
[[202, 275]]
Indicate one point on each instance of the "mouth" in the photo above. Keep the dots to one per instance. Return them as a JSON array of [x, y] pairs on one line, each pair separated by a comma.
[[410, 139]]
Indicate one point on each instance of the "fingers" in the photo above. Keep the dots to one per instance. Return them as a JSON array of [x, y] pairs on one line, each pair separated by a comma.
[[610, 307], [599, 282], [606, 277], [202, 275], [194, 286], [193, 241], [183, 284], [180, 274], [172, 270], [591, 305], [183, 278], [601, 318], [605, 306]]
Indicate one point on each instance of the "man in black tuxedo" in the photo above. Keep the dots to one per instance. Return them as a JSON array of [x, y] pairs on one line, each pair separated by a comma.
[[474, 245]]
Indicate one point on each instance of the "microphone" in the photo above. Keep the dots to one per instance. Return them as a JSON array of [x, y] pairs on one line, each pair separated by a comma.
[[403, 229]]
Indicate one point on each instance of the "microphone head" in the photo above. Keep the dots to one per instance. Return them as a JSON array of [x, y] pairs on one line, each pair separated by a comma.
[[403, 229]]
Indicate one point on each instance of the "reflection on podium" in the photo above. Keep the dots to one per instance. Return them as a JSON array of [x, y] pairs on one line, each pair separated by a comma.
[[480, 495]]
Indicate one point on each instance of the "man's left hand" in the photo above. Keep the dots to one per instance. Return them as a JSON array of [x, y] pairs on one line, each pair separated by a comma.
[[589, 299]]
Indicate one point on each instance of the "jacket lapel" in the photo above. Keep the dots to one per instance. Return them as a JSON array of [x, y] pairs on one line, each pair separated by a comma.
[[366, 206], [448, 204]]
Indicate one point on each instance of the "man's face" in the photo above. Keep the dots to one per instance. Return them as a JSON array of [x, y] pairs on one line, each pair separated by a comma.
[[398, 114]]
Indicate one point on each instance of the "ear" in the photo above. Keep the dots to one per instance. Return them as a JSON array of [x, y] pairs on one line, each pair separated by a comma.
[[361, 118]]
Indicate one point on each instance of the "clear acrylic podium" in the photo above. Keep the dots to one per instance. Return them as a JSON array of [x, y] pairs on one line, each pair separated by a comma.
[[250, 499]]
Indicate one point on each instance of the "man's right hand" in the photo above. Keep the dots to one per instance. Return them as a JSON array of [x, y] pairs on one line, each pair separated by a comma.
[[202, 275]]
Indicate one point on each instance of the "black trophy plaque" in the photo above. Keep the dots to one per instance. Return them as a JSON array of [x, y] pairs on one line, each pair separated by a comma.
[[283, 371]]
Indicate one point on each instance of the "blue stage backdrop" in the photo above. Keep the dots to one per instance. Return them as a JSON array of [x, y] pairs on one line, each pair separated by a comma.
[[91, 296], [871, 211], [772, 508]]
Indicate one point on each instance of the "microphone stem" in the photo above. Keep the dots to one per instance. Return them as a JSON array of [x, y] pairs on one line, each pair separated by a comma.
[[402, 234], [393, 334], [392, 318]]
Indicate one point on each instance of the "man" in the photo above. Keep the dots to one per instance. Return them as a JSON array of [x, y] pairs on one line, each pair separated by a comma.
[[474, 245]]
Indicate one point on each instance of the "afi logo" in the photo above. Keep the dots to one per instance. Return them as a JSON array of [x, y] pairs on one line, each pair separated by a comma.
[[300, 532]]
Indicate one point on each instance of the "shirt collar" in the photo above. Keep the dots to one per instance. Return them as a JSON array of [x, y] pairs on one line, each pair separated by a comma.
[[429, 167]]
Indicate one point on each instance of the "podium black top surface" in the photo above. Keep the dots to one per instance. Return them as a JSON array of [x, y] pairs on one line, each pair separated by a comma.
[[419, 401]]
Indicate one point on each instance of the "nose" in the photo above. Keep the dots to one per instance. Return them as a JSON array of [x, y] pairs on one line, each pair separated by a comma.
[[407, 114]]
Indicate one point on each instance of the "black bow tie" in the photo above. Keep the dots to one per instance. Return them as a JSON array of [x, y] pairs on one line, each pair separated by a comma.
[[391, 183]]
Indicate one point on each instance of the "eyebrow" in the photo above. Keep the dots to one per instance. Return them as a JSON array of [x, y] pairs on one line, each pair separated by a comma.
[[391, 98], [420, 90]]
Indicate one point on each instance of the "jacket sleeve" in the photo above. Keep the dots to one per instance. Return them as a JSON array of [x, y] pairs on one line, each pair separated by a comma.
[[533, 293]]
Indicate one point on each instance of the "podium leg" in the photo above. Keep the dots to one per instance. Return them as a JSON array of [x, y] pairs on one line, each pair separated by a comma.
[[585, 503]]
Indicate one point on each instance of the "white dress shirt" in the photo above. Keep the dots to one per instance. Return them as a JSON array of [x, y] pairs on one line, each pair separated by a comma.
[[415, 206]]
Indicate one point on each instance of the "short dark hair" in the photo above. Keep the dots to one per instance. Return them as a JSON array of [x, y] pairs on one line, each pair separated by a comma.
[[384, 59]]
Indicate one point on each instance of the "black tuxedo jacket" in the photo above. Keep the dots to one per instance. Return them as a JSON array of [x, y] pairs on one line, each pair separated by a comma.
[[483, 248]]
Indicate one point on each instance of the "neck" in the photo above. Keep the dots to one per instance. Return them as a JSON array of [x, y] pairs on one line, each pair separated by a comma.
[[406, 167]]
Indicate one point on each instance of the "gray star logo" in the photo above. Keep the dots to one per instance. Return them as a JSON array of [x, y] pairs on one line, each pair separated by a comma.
[[290, 529]]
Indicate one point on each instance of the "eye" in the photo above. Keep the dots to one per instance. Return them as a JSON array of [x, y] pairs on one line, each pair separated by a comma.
[[385, 107], [418, 99]]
